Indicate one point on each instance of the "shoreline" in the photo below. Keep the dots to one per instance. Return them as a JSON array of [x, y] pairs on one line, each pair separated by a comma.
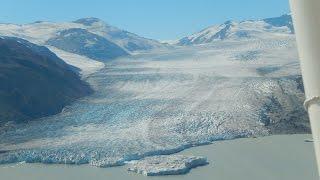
[[264, 158]]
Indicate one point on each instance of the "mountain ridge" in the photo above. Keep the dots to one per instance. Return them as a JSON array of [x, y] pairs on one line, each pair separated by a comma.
[[248, 29], [41, 32]]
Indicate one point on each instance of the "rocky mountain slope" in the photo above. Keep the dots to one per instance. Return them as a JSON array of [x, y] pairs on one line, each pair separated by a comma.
[[82, 42], [34, 81]]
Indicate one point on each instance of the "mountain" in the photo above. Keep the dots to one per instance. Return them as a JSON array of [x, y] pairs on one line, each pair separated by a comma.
[[129, 41], [250, 29], [34, 81], [82, 42], [91, 37], [282, 21]]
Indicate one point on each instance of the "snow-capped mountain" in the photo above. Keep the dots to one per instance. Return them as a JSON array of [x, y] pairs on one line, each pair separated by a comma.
[[129, 41], [93, 35], [231, 30], [82, 42]]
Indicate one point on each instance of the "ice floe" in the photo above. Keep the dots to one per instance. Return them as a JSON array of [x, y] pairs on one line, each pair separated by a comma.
[[166, 165]]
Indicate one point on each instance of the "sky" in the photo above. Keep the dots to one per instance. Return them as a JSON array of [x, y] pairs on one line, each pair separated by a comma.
[[156, 19]]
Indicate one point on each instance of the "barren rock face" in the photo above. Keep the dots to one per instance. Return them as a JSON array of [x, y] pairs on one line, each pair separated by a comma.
[[166, 165], [34, 82]]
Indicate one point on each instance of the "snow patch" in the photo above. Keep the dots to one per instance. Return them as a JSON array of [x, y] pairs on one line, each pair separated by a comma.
[[87, 65]]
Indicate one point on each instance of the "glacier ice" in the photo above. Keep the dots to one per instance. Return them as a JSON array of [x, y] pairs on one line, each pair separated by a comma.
[[162, 102], [166, 165]]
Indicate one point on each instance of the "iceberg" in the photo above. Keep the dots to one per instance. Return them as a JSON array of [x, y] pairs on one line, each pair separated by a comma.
[[166, 165]]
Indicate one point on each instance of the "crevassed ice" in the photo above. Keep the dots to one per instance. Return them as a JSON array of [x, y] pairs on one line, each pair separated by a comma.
[[164, 102]]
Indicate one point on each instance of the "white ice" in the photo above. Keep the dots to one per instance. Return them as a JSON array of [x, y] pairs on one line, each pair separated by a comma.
[[163, 102], [166, 165]]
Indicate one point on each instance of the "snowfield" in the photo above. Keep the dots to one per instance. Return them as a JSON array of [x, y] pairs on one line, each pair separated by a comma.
[[86, 65], [163, 102]]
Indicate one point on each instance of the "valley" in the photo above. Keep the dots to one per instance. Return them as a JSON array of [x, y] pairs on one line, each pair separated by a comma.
[[229, 81]]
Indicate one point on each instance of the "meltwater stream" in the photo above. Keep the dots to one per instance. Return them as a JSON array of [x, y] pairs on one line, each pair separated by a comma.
[[162, 103]]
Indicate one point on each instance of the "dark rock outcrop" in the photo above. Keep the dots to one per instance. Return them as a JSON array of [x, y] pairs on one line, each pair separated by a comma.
[[34, 82]]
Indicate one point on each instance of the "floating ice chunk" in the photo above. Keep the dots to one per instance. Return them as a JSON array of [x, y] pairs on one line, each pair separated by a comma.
[[166, 165], [108, 162]]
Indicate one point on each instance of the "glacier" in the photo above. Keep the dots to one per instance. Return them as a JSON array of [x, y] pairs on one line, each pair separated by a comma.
[[165, 101]]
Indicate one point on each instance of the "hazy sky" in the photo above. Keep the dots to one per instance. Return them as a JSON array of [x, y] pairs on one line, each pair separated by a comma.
[[158, 19]]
